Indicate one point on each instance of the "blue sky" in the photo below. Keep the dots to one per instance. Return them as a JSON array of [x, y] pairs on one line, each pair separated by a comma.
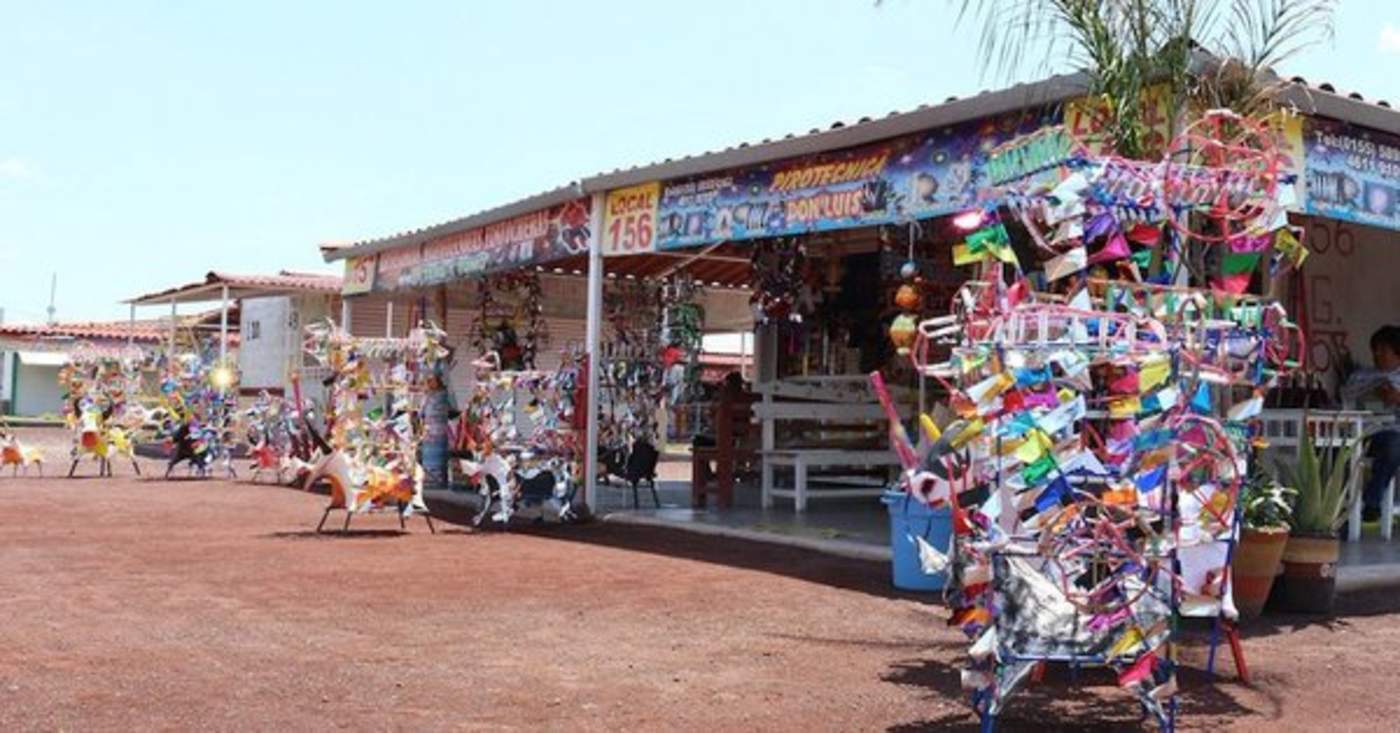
[[145, 143]]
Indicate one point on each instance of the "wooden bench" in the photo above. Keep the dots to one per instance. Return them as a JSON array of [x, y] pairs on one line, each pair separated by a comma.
[[735, 451], [814, 424]]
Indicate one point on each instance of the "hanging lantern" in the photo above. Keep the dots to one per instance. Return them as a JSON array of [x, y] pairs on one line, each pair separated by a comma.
[[902, 332], [908, 298]]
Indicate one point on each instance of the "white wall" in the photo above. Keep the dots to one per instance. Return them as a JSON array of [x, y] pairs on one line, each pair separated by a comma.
[[37, 391], [262, 352], [5, 358], [1352, 287]]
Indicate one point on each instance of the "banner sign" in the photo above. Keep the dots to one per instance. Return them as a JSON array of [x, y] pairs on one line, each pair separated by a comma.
[[1087, 119], [914, 177], [359, 275], [529, 239], [1352, 174], [1031, 156], [629, 220]]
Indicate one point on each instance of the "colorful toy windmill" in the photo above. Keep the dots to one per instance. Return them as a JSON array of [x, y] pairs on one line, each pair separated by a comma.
[[377, 392], [1093, 466], [98, 391]]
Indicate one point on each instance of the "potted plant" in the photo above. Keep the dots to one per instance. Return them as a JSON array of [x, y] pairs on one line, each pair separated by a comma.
[[1324, 491], [1266, 508]]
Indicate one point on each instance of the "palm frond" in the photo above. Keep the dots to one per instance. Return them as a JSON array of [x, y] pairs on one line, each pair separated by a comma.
[[1127, 46]]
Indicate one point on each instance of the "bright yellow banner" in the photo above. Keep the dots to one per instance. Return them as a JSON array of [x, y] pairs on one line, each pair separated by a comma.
[[1087, 117], [359, 275], [629, 219]]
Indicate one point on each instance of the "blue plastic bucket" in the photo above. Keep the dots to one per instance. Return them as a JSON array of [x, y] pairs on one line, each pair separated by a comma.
[[910, 517]]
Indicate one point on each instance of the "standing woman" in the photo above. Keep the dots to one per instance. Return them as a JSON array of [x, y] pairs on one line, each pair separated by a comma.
[[438, 409]]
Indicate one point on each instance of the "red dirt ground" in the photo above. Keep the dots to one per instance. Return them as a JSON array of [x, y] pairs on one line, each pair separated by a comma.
[[141, 604]]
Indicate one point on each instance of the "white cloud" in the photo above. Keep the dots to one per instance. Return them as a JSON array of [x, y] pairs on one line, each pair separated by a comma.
[[15, 169], [1390, 39]]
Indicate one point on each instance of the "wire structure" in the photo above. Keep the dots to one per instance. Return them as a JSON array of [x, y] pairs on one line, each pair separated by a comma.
[[377, 392], [1103, 380]]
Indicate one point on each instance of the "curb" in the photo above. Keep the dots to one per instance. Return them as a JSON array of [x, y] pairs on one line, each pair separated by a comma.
[[1367, 577], [839, 548], [1353, 579]]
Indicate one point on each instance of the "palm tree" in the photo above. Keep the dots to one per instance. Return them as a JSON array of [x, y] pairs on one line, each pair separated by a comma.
[[1126, 46]]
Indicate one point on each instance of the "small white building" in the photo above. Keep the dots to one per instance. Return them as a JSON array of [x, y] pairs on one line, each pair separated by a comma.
[[31, 356], [266, 314]]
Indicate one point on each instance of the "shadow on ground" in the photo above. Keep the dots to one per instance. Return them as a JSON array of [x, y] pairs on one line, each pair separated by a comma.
[[868, 577], [1089, 700]]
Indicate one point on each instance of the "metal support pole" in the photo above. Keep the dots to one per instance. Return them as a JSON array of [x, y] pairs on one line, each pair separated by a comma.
[[345, 314], [389, 320], [131, 327], [223, 326], [170, 349], [593, 332]]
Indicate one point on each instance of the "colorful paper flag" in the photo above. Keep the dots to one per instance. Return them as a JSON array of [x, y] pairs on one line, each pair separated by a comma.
[[963, 255], [1238, 263], [1115, 249]]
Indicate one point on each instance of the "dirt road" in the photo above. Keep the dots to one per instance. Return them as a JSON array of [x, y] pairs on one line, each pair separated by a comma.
[[139, 604]]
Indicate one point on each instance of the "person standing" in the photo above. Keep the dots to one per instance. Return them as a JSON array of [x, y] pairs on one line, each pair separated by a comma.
[[438, 409]]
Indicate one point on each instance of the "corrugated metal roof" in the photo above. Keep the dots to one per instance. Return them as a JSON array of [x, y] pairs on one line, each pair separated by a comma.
[[1323, 100], [838, 136], [1320, 100]]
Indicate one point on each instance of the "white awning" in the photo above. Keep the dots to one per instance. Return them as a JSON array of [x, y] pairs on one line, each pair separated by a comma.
[[43, 358]]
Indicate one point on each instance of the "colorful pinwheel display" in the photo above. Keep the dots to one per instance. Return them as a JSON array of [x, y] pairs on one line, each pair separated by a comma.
[[1102, 380], [377, 388], [99, 390], [521, 430], [197, 405]]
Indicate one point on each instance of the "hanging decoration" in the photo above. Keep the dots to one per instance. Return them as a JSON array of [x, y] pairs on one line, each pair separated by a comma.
[[908, 298], [632, 380], [511, 321], [682, 337], [99, 390], [520, 428], [1091, 468], [782, 291], [377, 388]]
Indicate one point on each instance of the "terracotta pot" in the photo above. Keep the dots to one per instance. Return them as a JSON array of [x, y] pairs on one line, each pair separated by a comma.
[[1254, 566], [1310, 573]]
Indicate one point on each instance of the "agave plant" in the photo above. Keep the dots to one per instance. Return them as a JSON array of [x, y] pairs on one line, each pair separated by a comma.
[[1127, 46], [1323, 486]]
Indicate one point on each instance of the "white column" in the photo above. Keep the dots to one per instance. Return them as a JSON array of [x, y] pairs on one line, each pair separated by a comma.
[[131, 327], [223, 326], [345, 314], [170, 349], [594, 330], [389, 320]]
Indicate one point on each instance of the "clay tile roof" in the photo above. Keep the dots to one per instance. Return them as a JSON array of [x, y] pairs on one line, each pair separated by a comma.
[[144, 331], [244, 286]]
